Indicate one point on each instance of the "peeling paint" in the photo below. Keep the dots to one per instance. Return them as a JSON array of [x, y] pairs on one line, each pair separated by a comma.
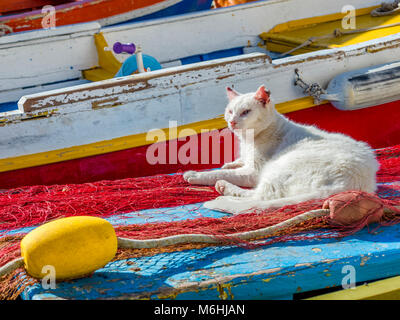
[[364, 259], [303, 265], [329, 260], [225, 291]]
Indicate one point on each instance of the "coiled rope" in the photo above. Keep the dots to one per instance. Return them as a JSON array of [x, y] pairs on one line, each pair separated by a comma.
[[314, 90], [386, 9]]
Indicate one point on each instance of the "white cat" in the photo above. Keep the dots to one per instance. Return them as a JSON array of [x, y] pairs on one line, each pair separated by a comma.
[[283, 162]]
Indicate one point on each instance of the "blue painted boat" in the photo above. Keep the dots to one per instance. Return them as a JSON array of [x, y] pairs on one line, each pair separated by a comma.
[[183, 6]]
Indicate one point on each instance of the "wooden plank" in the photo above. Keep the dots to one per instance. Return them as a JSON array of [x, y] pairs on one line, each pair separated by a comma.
[[11, 94], [388, 289], [49, 35]]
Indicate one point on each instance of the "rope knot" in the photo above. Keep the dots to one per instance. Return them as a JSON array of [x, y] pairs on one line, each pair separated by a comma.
[[337, 33], [314, 90]]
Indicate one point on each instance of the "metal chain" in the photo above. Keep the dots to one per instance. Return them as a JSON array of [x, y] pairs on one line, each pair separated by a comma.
[[314, 90]]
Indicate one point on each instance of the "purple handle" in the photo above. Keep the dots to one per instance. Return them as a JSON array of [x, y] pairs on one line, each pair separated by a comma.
[[119, 47]]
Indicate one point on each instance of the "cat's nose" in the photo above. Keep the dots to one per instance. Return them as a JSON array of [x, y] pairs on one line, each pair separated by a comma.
[[232, 123]]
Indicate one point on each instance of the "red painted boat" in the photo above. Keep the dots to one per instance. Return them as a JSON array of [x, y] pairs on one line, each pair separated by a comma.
[[380, 128], [23, 15]]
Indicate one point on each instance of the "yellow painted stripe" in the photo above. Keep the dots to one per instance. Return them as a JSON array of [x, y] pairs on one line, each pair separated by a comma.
[[132, 141], [296, 105], [307, 22]]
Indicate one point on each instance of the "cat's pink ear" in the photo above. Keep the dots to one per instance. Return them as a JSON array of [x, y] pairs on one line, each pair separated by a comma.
[[262, 95], [231, 93]]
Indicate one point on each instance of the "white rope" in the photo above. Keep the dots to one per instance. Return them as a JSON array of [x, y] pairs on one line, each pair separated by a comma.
[[11, 266], [194, 238], [203, 238], [336, 34]]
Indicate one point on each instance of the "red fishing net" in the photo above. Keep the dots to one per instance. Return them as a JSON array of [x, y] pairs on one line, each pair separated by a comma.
[[35, 205]]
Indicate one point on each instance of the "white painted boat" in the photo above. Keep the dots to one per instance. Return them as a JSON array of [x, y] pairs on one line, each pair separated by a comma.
[[43, 60]]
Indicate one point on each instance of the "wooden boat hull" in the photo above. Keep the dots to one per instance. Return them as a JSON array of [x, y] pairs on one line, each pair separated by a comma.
[[379, 127], [106, 12]]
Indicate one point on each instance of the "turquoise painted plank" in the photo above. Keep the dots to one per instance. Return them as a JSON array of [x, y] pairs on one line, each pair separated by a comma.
[[270, 272]]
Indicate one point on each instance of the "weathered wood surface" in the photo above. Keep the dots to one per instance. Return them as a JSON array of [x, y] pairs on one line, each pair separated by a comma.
[[33, 59], [272, 272]]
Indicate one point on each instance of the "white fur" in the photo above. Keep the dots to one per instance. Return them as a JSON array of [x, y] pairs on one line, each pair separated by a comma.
[[287, 163]]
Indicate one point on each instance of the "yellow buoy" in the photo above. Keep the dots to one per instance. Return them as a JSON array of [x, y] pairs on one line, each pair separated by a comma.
[[73, 246]]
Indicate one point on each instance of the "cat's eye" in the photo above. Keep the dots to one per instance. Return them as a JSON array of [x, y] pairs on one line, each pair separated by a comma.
[[245, 112], [230, 111]]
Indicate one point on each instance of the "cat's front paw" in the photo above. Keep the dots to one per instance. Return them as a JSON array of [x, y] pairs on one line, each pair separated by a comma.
[[191, 177], [220, 186], [226, 188], [233, 165]]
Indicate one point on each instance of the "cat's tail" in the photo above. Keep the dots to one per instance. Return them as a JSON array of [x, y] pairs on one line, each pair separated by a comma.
[[237, 205]]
